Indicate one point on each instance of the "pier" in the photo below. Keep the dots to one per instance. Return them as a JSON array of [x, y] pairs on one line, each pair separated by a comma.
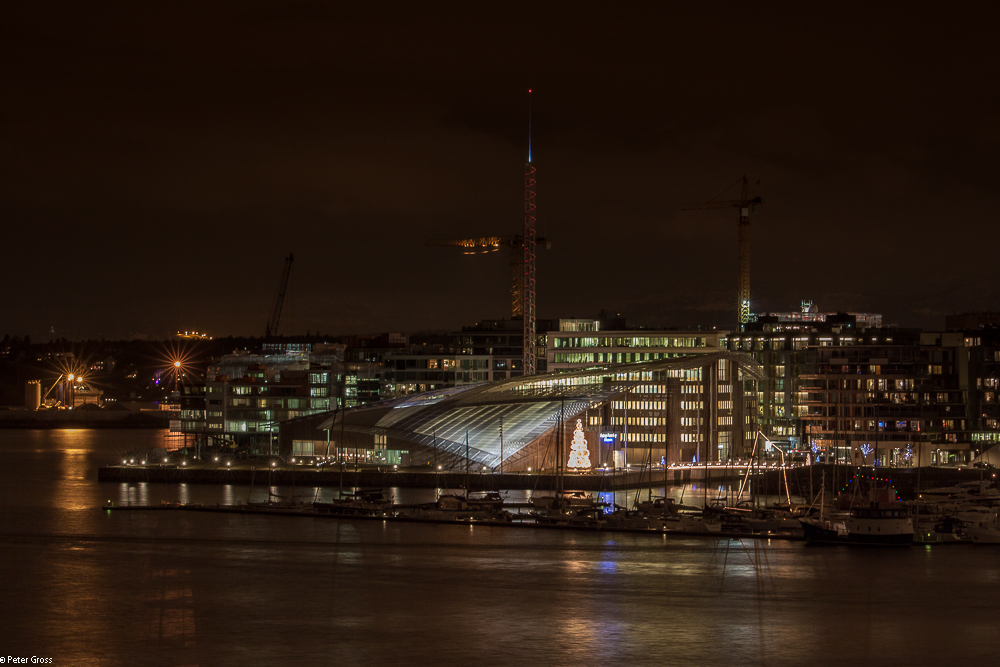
[[517, 520], [246, 473], [801, 479]]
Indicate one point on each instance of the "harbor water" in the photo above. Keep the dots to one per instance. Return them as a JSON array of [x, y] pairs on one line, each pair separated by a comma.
[[83, 586]]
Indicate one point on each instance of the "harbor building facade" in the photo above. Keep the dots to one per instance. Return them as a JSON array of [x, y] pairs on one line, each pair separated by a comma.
[[781, 343], [631, 415], [246, 396], [841, 390], [890, 399], [718, 412]]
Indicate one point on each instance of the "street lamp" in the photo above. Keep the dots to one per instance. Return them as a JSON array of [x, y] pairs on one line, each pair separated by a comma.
[[68, 391]]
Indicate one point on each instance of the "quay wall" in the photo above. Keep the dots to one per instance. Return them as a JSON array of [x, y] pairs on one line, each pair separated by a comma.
[[803, 481], [389, 478]]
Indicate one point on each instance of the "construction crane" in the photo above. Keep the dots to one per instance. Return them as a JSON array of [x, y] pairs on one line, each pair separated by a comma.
[[746, 203], [272, 324], [487, 244], [522, 260], [69, 378]]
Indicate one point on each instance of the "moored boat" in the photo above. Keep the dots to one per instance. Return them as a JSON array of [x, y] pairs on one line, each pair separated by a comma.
[[457, 508], [565, 500], [874, 525], [491, 499], [948, 530], [592, 518], [984, 531], [363, 502]]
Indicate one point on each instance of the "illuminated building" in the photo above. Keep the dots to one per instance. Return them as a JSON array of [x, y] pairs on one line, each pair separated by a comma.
[[488, 351], [630, 413], [809, 314], [246, 396], [193, 335], [836, 386], [713, 402]]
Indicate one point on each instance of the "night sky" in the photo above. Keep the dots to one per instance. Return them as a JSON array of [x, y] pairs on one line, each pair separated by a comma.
[[159, 161]]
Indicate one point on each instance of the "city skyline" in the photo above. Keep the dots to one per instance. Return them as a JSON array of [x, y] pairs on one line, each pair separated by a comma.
[[160, 165]]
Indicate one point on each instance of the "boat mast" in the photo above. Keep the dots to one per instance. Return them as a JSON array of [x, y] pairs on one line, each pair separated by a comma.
[[704, 480], [501, 444], [559, 445], [344, 446], [822, 497]]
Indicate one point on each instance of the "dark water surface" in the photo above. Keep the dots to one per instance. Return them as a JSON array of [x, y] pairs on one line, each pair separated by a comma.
[[84, 586]]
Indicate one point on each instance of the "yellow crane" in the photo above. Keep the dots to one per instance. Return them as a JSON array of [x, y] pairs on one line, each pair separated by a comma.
[[746, 203], [485, 244]]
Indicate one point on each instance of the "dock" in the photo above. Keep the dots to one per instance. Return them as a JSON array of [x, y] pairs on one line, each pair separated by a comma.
[[517, 521], [246, 473]]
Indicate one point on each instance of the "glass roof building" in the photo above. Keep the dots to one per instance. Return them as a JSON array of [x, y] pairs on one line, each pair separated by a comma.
[[628, 411]]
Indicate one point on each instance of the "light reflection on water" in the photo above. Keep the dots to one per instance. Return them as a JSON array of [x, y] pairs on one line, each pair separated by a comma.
[[136, 587]]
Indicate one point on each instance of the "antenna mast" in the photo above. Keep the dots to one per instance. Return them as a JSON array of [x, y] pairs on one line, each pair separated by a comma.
[[743, 240], [528, 288]]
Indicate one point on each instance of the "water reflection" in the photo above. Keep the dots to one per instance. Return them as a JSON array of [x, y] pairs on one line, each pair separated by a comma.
[[73, 465], [197, 588], [172, 622], [133, 493]]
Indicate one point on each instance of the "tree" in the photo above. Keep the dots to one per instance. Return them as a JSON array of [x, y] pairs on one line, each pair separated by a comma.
[[579, 455]]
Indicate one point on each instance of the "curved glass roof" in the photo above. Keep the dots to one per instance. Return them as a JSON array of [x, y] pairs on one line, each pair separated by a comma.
[[469, 418]]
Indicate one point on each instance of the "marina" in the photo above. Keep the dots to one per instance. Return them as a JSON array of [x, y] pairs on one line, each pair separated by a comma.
[[589, 519], [204, 586], [861, 514]]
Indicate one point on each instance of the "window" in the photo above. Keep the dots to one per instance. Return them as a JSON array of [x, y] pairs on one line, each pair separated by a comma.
[[573, 358], [303, 448]]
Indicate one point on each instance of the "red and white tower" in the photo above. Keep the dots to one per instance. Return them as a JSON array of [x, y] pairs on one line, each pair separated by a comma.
[[528, 289]]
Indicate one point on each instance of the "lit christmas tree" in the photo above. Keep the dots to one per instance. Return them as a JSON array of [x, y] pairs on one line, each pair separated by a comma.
[[579, 455]]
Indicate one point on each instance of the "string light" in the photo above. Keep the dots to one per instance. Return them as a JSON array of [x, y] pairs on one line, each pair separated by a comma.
[[579, 457]]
